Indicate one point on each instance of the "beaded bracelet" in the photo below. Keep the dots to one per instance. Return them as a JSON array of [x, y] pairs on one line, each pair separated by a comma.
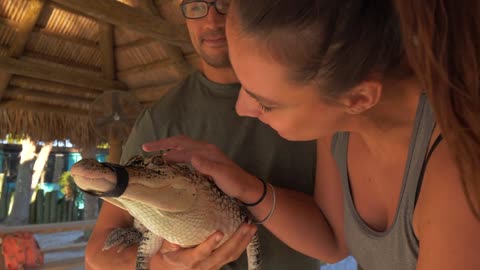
[[270, 214], [261, 198]]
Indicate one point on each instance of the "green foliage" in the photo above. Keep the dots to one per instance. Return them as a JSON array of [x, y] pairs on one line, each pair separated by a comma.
[[14, 138], [68, 186], [103, 145]]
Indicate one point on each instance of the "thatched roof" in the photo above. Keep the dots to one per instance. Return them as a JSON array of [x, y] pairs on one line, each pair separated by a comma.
[[57, 56]]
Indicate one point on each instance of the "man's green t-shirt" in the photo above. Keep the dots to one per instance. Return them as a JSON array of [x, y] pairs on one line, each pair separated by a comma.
[[205, 110]]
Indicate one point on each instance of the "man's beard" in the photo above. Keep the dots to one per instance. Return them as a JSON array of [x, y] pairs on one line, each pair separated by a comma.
[[217, 61]]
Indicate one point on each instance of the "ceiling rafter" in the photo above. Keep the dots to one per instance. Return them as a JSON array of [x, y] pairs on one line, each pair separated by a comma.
[[29, 95], [44, 72], [79, 41], [24, 28], [39, 107], [125, 16], [9, 23], [53, 87], [158, 64], [151, 93], [135, 44]]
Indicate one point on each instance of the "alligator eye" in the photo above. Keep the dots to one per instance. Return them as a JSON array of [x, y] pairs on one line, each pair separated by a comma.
[[158, 160], [135, 161]]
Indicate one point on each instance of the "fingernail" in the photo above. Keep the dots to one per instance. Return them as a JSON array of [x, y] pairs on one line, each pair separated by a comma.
[[253, 231], [218, 238]]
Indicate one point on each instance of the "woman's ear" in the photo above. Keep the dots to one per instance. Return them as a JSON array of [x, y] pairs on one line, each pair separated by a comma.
[[362, 97]]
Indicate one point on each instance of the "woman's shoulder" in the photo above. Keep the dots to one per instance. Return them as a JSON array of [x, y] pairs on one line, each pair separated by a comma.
[[443, 221]]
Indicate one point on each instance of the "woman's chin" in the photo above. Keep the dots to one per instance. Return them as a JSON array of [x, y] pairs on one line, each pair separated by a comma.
[[294, 136]]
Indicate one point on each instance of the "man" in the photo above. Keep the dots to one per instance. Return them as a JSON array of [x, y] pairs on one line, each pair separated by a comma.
[[203, 107]]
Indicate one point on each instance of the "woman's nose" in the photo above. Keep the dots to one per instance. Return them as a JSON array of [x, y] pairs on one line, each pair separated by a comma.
[[247, 106]]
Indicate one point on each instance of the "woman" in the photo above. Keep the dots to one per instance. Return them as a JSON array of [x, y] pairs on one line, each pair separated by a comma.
[[335, 71]]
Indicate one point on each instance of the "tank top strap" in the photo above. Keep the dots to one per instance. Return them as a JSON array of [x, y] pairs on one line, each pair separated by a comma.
[[420, 141]]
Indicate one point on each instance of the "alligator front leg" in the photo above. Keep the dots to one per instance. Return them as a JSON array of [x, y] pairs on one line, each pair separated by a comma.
[[148, 247], [122, 237]]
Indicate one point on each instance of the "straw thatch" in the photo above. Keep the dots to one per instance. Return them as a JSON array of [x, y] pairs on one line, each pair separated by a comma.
[[58, 56]]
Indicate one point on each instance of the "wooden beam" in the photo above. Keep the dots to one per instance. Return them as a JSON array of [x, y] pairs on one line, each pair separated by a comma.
[[4, 50], [39, 107], [107, 53], [25, 27], [159, 64], [53, 87], [79, 41], [152, 93], [116, 13], [41, 71], [57, 62], [134, 44], [9, 23], [29, 95]]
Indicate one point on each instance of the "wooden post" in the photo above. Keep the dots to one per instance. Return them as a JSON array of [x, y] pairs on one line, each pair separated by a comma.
[[64, 211], [46, 207], [53, 207], [3, 197], [23, 191], [32, 215], [58, 209], [40, 203], [115, 151]]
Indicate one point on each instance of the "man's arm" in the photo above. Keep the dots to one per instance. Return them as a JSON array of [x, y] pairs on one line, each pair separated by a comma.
[[110, 217]]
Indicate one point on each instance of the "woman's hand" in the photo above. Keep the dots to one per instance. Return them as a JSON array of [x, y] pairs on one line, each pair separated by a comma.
[[209, 160]]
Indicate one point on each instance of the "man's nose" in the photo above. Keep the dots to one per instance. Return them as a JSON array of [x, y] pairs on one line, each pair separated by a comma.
[[214, 18], [247, 106]]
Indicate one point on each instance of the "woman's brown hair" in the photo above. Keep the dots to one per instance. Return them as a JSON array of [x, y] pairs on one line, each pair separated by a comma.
[[442, 42], [336, 43]]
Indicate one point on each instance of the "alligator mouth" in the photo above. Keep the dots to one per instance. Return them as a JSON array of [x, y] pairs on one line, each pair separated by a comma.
[[120, 185]]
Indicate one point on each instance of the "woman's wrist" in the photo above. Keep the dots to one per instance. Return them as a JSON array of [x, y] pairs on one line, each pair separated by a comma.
[[260, 198], [253, 191]]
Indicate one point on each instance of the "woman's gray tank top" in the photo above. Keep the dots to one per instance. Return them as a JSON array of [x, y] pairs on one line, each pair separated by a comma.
[[396, 248]]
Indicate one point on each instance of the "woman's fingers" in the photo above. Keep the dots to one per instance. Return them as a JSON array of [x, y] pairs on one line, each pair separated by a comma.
[[178, 156], [209, 167]]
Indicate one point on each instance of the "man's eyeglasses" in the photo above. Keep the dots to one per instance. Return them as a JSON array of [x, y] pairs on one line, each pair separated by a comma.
[[199, 9]]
